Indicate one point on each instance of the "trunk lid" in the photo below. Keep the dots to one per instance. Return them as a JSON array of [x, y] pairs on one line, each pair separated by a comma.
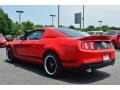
[[95, 42], [94, 38]]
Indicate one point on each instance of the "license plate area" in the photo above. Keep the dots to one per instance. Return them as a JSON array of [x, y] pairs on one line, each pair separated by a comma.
[[106, 57]]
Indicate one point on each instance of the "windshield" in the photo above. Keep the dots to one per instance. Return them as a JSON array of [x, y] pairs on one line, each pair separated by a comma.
[[110, 33], [72, 32]]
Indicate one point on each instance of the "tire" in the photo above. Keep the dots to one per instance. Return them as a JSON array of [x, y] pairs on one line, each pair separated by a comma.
[[52, 65], [114, 44], [10, 55]]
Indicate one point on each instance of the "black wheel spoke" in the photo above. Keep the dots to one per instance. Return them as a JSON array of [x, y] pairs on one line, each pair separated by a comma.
[[51, 65], [10, 55]]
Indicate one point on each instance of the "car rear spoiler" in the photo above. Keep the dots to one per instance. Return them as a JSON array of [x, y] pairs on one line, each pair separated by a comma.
[[96, 38]]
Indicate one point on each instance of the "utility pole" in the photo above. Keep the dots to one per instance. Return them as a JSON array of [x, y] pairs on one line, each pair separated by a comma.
[[80, 20], [19, 12], [100, 22], [58, 15], [83, 16], [52, 18]]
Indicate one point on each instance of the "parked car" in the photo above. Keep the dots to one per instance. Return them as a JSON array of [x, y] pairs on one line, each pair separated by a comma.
[[3, 41], [62, 48], [115, 36], [95, 32]]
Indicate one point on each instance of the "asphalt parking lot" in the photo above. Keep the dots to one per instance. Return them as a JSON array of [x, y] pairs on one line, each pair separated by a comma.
[[21, 73]]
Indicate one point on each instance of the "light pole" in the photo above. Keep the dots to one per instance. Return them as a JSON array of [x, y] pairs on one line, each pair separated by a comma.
[[19, 12], [100, 22], [58, 15], [52, 18], [83, 16]]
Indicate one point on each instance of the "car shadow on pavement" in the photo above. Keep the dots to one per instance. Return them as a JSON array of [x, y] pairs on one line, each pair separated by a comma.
[[69, 76], [118, 50], [84, 77]]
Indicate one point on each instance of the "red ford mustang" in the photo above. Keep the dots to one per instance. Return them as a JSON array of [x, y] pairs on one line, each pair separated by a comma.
[[60, 48], [115, 37]]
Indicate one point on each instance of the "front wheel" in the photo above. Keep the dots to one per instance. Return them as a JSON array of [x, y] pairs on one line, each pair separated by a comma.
[[9, 54], [52, 65]]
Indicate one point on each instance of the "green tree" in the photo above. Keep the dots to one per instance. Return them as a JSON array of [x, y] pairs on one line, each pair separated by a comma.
[[15, 28], [114, 28], [97, 28], [27, 25], [38, 26], [5, 23], [71, 27], [61, 26], [105, 28], [90, 28]]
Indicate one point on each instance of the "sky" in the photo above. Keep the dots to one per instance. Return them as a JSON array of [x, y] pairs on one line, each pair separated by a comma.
[[39, 14]]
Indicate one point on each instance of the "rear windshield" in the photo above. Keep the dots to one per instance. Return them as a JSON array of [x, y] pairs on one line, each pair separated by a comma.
[[72, 32], [110, 33]]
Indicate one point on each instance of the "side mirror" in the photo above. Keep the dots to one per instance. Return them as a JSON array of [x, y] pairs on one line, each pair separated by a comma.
[[9, 38]]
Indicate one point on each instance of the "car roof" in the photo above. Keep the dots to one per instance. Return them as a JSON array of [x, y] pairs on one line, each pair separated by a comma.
[[45, 28]]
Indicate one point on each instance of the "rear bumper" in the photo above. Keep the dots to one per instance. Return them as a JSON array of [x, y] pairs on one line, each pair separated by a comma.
[[93, 65], [97, 65], [87, 57]]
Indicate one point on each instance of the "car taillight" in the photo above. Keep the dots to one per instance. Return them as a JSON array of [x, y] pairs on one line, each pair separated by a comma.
[[4, 40], [88, 45], [119, 40]]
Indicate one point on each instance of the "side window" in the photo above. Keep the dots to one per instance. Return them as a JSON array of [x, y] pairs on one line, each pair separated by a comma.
[[36, 35]]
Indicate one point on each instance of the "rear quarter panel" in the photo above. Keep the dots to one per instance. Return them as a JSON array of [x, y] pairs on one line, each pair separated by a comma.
[[65, 48]]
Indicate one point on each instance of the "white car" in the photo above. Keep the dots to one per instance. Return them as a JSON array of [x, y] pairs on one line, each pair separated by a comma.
[[95, 32]]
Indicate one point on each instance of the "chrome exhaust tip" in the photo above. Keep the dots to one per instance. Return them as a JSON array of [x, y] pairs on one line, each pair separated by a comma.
[[89, 70]]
